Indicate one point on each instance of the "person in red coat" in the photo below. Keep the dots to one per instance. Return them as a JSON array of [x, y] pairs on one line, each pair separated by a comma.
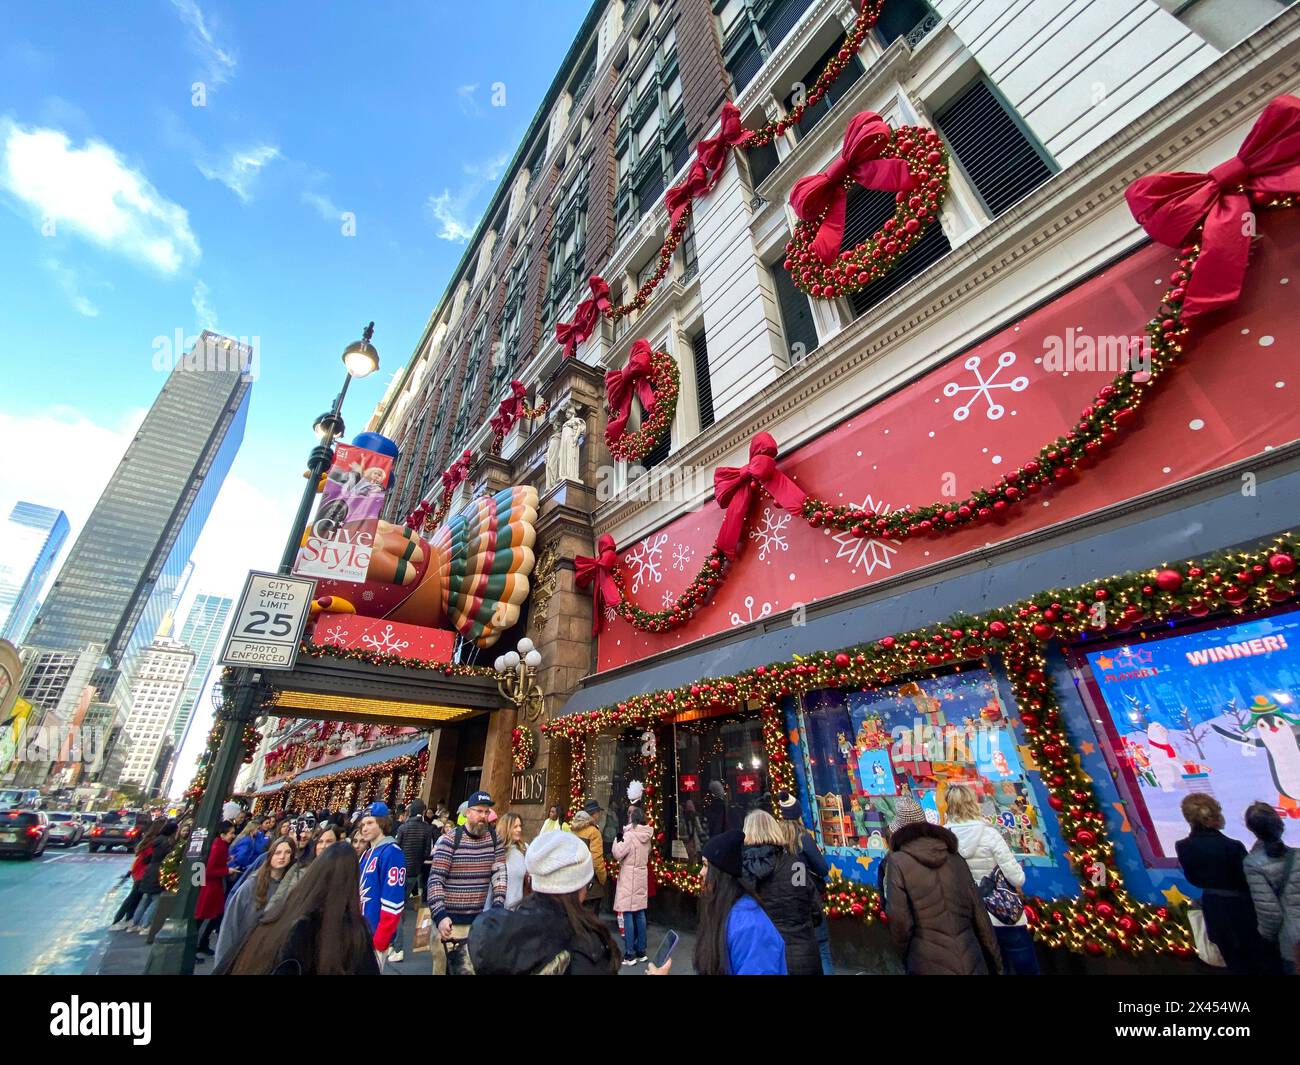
[[212, 895]]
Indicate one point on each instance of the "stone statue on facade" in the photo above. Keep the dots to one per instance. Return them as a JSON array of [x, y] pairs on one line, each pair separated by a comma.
[[553, 450], [572, 434]]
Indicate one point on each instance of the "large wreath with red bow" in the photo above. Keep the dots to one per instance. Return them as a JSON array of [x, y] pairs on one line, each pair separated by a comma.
[[909, 161], [651, 376]]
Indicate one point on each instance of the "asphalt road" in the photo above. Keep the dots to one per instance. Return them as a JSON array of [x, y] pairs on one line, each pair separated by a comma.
[[55, 909]]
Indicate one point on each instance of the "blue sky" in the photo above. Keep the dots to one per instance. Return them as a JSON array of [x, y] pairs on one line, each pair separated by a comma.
[[127, 213]]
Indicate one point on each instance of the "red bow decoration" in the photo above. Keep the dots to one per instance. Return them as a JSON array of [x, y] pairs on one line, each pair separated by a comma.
[[711, 153], [735, 490], [456, 473], [864, 140], [571, 334], [599, 572], [706, 168], [415, 519], [510, 410], [1170, 206], [620, 384]]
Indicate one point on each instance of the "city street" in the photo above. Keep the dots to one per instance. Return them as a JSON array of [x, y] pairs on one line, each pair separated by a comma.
[[55, 908]]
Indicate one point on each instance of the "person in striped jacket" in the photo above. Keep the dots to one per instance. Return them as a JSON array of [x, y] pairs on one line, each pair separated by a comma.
[[467, 874], [383, 877]]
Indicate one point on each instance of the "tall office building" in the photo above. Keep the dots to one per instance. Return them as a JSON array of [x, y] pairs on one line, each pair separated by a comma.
[[128, 561], [164, 670], [201, 633], [30, 541]]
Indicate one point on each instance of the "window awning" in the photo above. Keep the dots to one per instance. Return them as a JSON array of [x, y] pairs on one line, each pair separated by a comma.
[[359, 761]]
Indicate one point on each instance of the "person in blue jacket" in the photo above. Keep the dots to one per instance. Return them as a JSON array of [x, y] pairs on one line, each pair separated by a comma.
[[735, 936], [383, 877]]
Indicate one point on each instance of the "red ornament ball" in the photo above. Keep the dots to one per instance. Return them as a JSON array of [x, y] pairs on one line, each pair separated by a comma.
[[1169, 580], [1281, 562]]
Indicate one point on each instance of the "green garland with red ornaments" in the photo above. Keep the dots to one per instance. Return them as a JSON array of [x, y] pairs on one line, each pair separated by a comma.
[[665, 382], [1060, 462], [1103, 920]]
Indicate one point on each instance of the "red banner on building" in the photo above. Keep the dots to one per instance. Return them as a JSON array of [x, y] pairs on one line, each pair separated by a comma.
[[342, 535]]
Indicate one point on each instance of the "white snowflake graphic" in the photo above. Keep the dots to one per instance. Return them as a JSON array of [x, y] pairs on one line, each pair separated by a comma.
[[763, 612], [335, 637], [770, 536], [610, 613], [670, 598], [682, 556], [984, 387], [387, 642], [645, 559], [866, 551]]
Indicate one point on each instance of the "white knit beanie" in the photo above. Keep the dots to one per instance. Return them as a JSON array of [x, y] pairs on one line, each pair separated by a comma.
[[559, 863], [230, 811]]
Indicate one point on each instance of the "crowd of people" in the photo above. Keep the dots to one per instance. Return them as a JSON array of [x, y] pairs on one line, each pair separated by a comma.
[[325, 892]]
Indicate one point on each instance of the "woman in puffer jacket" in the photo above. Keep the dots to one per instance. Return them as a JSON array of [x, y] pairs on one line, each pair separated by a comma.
[[1273, 873], [632, 895], [936, 916], [985, 850], [786, 890]]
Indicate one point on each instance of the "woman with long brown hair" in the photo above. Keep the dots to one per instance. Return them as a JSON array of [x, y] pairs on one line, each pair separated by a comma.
[[143, 852], [245, 906], [319, 931]]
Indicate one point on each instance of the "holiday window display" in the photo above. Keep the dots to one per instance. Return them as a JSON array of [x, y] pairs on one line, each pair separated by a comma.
[[1103, 917], [1213, 711], [863, 751]]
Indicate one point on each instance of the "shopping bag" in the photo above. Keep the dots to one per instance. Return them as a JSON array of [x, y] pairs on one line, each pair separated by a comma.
[[1205, 948], [423, 929]]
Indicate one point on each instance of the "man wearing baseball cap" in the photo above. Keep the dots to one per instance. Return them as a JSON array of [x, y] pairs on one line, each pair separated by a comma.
[[467, 874], [383, 878]]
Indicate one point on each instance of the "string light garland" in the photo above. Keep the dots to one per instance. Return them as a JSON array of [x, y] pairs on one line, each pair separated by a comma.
[[375, 658], [523, 748], [1101, 920]]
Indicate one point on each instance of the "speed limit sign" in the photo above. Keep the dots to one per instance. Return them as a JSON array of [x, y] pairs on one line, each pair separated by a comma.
[[269, 621]]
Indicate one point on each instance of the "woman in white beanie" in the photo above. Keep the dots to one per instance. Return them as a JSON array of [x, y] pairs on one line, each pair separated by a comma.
[[550, 934]]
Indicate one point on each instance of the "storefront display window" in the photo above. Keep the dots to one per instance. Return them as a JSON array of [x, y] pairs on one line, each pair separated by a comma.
[[616, 761], [1212, 711], [721, 774], [860, 752]]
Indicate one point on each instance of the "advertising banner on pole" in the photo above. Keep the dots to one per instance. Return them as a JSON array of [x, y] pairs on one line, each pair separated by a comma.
[[342, 534]]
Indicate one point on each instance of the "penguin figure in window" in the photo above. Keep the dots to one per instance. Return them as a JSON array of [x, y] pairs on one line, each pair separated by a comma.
[[1276, 736]]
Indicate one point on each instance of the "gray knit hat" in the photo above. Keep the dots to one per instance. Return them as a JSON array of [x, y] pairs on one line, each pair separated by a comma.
[[559, 863], [907, 812]]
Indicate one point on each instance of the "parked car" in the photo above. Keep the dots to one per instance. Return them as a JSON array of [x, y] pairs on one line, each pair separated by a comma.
[[116, 830], [25, 832], [66, 828], [20, 799]]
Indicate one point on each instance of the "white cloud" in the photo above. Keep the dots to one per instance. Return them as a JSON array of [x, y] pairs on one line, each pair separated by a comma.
[[92, 192], [204, 316], [219, 63], [465, 97], [70, 284], [452, 210], [239, 173], [450, 214], [326, 207]]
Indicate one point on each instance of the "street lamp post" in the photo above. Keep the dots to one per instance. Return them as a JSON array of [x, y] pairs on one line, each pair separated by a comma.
[[174, 947], [517, 679]]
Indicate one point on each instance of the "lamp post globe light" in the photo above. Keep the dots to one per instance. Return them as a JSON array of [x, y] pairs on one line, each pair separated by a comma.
[[517, 678], [174, 947]]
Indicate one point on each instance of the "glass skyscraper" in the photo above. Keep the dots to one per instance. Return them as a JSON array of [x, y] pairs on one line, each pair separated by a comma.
[[201, 633], [30, 541], [127, 562]]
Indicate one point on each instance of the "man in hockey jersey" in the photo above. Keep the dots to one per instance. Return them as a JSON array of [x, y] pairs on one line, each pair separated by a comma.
[[383, 877]]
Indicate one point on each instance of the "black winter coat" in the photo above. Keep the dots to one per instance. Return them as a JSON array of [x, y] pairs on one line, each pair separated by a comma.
[[786, 889], [151, 878], [1213, 863], [535, 939], [415, 836], [298, 955]]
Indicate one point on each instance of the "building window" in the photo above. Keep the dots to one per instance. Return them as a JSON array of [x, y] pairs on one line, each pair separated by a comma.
[[865, 212], [912, 19], [652, 145], [751, 30], [703, 381], [796, 315], [690, 261], [506, 356], [991, 145], [835, 91], [469, 388], [565, 257]]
